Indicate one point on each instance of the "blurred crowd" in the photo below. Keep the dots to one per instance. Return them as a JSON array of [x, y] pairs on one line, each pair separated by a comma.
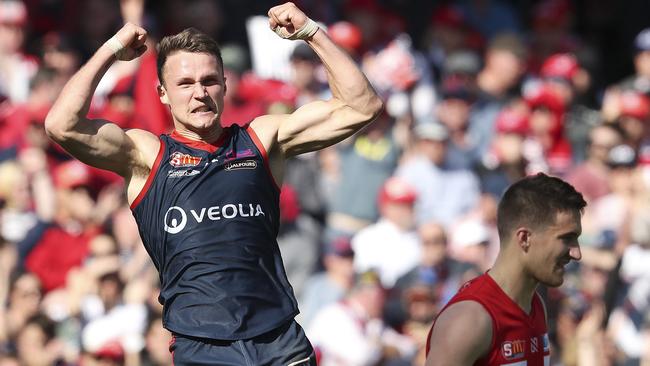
[[378, 231]]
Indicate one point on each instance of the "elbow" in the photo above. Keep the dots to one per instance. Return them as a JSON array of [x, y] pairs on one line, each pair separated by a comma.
[[55, 127], [375, 107], [372, 108], [52, 128]]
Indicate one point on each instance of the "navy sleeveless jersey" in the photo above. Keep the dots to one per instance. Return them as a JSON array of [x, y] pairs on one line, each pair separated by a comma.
[[208, 216]]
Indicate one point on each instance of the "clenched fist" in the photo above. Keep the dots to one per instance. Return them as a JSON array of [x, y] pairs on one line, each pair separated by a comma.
[[290, 22], [129, 42]]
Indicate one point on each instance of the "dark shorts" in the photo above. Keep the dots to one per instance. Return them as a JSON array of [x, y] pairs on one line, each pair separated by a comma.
[[285, 345]]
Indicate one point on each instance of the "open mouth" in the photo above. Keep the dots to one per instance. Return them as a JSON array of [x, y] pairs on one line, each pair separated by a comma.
[[202, 109]]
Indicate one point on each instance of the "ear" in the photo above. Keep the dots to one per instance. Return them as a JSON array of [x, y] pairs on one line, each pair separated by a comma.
[[522, 236], [162, 94]]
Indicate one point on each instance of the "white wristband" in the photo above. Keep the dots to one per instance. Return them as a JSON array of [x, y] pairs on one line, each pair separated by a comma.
[[306, 31], [115, 45]]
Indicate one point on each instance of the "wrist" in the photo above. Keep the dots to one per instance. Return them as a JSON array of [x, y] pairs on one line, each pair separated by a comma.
[[115, 46]]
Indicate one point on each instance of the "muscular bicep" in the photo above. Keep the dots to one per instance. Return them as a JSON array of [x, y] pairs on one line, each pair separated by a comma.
[[461, 335], [104, 145], [319, 124]]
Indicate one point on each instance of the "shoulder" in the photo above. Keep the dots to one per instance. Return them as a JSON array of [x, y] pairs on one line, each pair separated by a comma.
[[462, 332], [266, 126], [147, 145], [144, 140], [141, 135], [469, 314]]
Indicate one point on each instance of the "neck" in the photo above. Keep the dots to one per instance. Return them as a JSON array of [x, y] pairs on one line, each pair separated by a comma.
[[208, 136], [513, 280]]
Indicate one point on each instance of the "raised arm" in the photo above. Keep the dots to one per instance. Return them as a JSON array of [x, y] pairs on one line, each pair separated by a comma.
[[461, 335], [319, 124], [99, 143]]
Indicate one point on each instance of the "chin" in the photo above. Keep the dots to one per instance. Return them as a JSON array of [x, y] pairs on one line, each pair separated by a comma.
[[553, 281], [203, 123]]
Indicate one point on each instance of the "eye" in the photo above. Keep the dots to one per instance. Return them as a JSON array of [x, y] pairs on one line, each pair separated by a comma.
[[571, 240], [210, 81], [185, 83]]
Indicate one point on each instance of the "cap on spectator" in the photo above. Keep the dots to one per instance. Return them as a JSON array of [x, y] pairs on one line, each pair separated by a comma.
[[642, 41], [511, 120], [340, 246], [634, 104], [13, 12], [302, 52], [346, 35], [70, 174], [397, 190], [560, 66], [456, 89], [462, 62], [621, 156], [544, 96], [111, 350], [433, 131]]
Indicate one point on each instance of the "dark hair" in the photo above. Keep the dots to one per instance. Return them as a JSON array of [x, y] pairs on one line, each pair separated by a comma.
[[46, 324], [190, 40], [535, 201]]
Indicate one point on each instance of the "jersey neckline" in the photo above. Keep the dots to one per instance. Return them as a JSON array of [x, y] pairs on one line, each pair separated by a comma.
[[528, 316], [201, 145]]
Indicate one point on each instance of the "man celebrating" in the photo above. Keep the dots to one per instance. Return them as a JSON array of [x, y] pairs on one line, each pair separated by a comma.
[[206, 198], [498, 318]]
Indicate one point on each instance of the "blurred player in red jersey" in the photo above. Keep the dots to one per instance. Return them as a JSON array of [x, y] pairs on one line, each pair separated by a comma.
[[498, 318]]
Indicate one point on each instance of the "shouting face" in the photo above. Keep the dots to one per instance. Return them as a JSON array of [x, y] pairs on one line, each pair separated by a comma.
[[193, 89]]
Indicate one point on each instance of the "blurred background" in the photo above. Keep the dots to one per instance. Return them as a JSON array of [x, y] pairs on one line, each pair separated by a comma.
[[379, 231]]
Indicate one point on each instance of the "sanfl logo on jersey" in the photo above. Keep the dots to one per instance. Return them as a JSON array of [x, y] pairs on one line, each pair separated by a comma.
[[180, 160], [513, 349]]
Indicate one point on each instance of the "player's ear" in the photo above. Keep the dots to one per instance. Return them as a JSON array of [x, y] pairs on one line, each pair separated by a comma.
[[162, 94], [522, 236]]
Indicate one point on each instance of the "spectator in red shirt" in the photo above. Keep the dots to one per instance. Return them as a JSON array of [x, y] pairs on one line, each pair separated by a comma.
[[51, 249]]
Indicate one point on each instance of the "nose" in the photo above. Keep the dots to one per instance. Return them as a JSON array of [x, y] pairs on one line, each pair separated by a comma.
[[575, 253], [200, 90]]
